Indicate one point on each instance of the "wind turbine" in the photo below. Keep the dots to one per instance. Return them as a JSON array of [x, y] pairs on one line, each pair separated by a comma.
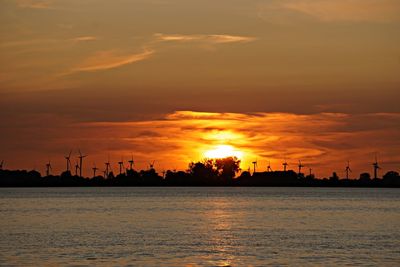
[[376, 167], [107, 171], [285, 164], [94, 170], [131, 163], [254, 166], [121, 164], [81, 157], [68, 158], [269, 169], [48, 168], [151, 165], [76, 168], [300, 166], [1, 164], [348, 169], [310, 172]]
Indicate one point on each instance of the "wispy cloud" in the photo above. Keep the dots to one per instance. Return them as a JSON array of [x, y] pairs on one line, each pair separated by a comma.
[[30, 43], [209, 38], [84, 39], [105, 60], [35, 4], [333, 10], [44, 42], [324, 141]]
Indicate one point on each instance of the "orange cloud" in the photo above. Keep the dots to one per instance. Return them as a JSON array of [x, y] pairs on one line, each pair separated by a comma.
[[106, 60], [322, 141], [44, 43], [331, 10], [210, 38], [35, 4], [84, 39]]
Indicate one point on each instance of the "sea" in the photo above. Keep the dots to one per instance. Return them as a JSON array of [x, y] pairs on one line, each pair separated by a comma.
[[199, 226]]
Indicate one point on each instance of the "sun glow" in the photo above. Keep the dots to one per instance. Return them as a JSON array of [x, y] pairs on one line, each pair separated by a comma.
[[223, 151]]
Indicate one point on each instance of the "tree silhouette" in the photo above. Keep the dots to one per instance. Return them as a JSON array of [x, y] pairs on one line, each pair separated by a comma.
[[203, 172], [334, 177], [209, 172], [392, 177], [365, 177], [227, 168]]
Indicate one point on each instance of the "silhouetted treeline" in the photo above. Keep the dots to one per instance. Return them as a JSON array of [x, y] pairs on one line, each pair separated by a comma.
[[217, 172]]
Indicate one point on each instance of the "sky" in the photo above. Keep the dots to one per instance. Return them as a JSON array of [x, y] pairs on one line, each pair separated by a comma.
[[175, 81]]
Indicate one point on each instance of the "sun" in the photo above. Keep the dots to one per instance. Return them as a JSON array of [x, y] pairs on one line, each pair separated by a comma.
[[223, 151]]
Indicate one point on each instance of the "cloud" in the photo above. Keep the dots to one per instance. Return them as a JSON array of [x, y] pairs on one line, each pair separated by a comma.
[[208, 38], [334, 10], [44, 43], [105, 60], [35, 4], [29, 43], [324, 141], [84, 39]]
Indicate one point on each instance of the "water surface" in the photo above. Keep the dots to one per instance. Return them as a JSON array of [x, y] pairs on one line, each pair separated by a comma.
[[199, 226]]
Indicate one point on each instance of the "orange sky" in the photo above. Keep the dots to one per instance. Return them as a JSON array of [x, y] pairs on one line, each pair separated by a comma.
[[170, 80]]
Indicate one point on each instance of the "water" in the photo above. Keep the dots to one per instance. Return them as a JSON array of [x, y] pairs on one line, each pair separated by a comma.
[[199, 227]]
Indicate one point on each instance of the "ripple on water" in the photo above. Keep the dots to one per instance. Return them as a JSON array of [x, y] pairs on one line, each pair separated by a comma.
[[199, 227]]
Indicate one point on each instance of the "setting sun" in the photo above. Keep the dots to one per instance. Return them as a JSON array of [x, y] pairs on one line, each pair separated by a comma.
[[223, 151]]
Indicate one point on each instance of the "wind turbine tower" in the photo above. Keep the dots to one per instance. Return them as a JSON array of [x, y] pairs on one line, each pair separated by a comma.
[[269, 169], [348, 169], [376, 167], [107, 171], [151, 165], [285, 164], [94, 170], [1, 164], [131, 163], [121, 164], [81, 157], [254, 166], [48, 168], [300, 166], [76, 168], [68, 158]]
